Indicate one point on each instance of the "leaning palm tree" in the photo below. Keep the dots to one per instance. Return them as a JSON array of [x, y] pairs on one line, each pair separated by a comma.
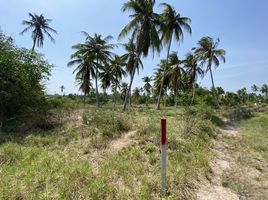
[[40, 26], [172, 23], [100, 50], [194, 71], [208, 54], [175, 73], [143, 27]]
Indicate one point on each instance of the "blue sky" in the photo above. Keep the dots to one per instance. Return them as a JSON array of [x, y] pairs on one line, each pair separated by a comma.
[[241, 25]]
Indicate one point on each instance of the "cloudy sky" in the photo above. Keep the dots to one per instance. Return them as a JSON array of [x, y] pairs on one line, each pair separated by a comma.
[[241, 25]]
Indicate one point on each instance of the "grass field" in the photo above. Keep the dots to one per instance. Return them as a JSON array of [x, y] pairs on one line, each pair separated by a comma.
[[249, 175], [105, 154]]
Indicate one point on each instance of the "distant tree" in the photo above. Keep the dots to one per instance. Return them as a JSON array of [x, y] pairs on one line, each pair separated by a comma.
[[85, 69], [130, 59], [124, 89], [147, 87], [207, 53], [219, 90], [143, 27], [62, 88], [158, 76], [254, 88], [242, 94], [194, 71], [136, 93], [172, 23], [98, 53], [40, 26], [118, 73], [264, 90], [174, 74]]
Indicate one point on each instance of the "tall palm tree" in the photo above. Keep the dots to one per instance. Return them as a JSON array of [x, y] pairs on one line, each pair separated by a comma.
[[85, 68], [130, 58], [194, 71], [143, 27], [175, 73], [147, 87], [118, 72], [207, 53], [172, 23], [106, 77], [100, 50], [40, 26]]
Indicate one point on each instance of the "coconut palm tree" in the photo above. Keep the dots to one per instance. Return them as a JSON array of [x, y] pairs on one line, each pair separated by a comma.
[[254, 88], [208, 54], [85, 69], [194, 71], [172, 23], [143, 26], [264, 90], [158, 76], [124, 89], [136, 93], [62, 88], [118, 73], [40, 26], [100, 50], [175, 73], [147, 87], [130, 59]]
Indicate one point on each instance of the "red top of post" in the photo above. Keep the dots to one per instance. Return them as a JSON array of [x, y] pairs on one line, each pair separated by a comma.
[[163, 130]]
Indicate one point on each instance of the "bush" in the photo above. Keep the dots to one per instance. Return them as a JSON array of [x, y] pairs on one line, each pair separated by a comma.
[[22, 74], [240, 113], [107, 122]]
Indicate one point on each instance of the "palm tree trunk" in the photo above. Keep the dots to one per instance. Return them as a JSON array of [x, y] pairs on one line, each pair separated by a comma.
[[192, 101], [84, 99], [114, 97], [96, 82], [34, 43], [131, 81], [211, 77], [164, 73], [176, 95]]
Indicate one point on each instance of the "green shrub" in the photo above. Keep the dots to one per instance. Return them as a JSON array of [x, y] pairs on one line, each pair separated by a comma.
[[240, 113], [108, 122]]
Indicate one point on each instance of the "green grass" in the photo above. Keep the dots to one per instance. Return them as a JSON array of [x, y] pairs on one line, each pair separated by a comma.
[[249, 177], [75, 161]]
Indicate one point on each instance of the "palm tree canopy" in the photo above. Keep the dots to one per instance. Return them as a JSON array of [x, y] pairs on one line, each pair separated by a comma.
[[130, 57], [192, 68], [208, 53], [147, 86], [172, 22], [40, 26], [175, 71], [143, 25]]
